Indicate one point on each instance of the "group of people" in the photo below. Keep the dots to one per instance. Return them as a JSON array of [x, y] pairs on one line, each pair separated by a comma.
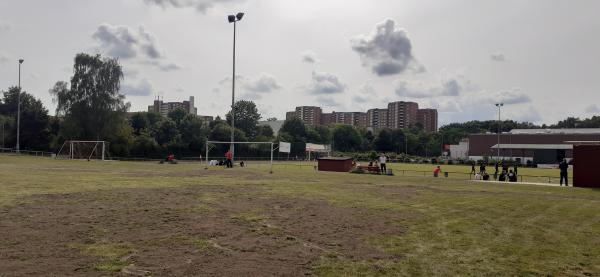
[[505, 175], [380, 162]]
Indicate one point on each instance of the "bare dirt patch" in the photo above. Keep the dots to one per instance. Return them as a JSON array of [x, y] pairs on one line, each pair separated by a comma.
[[198, 230]]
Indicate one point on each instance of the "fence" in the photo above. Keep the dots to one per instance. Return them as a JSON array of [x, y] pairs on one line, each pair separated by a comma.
[[11, 151]]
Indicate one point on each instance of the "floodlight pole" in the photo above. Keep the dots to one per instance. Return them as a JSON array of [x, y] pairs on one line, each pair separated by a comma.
[[499, 105], [19, 109], [233, 19]]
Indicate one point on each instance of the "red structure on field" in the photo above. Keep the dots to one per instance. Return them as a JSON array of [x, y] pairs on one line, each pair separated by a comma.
[[586, 162], [337, 164]]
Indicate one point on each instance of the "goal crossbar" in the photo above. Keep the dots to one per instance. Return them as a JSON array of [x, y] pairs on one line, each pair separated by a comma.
[[240, 142], [99, 148]]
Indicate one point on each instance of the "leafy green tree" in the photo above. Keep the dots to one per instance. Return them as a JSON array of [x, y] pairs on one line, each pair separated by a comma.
[[167, 132], [384, 141], [346, 138], [139, 122], [246, 117], [35, 133], [193, 132], [177, 115], [144, 145], [92, 107]]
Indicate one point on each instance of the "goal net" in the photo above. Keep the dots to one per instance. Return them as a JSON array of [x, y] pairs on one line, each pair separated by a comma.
[[83, 150], [244, 153]]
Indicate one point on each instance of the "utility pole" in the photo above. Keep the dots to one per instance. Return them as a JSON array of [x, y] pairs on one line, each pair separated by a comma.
[[233, 19], [19, 109], [499, 105]]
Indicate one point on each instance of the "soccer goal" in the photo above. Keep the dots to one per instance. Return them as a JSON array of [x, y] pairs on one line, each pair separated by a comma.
[[83, 150], [254, 152]]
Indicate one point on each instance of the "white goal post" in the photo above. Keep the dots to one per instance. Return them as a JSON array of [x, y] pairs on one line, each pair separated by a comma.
[[83, 150], [240, 142]]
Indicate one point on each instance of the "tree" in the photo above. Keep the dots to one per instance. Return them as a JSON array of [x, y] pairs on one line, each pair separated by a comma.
[[193, 132], [384, 141], [346, 138], [246, 117], [92, 107], [34, 129], [177, 115], [139, 122]]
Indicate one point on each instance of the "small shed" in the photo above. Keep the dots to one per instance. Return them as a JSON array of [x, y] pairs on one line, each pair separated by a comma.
[[337, 164], [586, 164]]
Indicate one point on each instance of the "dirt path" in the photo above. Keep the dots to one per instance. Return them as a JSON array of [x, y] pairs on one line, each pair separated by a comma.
[[199, 230]]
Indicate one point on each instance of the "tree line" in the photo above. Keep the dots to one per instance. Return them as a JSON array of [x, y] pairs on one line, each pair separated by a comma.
[[91, 107]]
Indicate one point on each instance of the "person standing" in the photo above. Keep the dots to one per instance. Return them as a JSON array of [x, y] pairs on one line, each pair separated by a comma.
[[382, 161], [564, 172], [473, 168], [229, 157], [437, 171]]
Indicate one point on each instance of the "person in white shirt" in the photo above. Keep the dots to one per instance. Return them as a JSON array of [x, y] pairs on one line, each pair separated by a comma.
[[382, 161]]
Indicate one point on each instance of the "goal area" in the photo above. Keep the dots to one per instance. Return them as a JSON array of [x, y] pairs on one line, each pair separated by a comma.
[[83, 150], [248, 152]]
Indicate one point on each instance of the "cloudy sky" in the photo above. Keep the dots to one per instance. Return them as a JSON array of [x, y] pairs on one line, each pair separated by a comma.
[[540, 58]]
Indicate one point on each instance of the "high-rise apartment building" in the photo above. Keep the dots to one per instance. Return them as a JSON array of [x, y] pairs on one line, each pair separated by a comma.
[[310, 115], [429, 119], [165, 107], [398, 115], [402, 114], [377, 118]]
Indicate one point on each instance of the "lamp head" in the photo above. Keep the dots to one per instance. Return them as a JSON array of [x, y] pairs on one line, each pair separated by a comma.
[[21, 61], [239, 16], [231, 18]]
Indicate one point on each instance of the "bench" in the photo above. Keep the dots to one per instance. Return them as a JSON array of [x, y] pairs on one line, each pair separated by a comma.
[[370, 169]]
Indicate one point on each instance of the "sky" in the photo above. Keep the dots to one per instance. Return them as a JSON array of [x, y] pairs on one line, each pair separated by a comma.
[[538, 57]]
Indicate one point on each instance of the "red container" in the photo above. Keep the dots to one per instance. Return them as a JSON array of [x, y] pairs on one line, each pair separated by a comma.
[[586, 162], [337, 164]]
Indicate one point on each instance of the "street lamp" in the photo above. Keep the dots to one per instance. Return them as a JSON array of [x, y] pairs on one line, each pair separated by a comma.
[[233, 19], [19, 108], [499, 105]]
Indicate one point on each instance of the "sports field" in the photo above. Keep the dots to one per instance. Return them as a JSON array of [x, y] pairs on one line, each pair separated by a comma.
[[62, 218]]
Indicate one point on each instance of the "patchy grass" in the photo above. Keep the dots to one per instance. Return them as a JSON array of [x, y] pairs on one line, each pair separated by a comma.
[[453, 227]]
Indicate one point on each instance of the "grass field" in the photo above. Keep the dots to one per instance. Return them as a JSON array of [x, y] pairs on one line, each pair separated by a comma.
[[133, 218]]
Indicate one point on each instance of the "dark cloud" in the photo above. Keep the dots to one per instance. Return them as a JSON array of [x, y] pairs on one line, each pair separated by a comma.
[[387, 49], [309, 56], [136, 45], [143, 88], [200, 5], [325, 83], [451, 88], [498, 57]]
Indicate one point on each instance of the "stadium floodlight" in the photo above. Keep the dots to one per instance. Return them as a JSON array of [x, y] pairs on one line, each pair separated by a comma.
[[18, 147], [499, 105], [233, 19]]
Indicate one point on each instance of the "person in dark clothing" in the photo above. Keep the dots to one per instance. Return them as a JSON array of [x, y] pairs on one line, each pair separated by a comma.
[[482, 168], [564, 172], [496, 167], [502, 177], [473, 168], [512, 177], [504, 166], [515, 167]]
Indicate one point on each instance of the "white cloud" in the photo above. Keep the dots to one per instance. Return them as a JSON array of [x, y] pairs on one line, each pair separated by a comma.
[[510, 97], [423, 89], [199, 5], [593, 108], [387, 49], [325, 83], [252, 87], [4, 26], [4, 58]]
